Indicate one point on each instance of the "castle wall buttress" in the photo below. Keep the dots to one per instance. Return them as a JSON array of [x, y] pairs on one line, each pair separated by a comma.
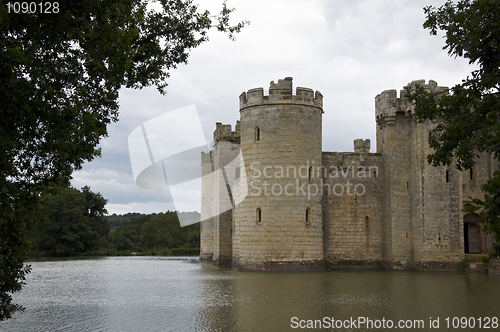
[[226, 150], [207, 227]]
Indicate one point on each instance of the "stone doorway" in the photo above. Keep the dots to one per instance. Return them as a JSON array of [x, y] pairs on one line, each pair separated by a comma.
[[472, 238], [475, 241]]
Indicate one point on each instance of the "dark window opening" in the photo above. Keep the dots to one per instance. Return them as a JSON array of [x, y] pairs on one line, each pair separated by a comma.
[[471, 174], [308, 216], [310, 173], [259, 215], [257, 134], [447, 176]]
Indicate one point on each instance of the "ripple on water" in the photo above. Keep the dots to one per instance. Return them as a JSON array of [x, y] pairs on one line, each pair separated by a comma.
[[177, 294]]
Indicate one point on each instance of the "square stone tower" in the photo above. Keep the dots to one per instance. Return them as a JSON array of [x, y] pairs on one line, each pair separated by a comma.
[[422, 203]]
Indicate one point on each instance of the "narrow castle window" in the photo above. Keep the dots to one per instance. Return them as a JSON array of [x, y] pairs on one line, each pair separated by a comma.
[[471, 174], [447, 176], [259, 215], [257, 134], [407, 184], [366, 222], [310, 173], [308, 216]]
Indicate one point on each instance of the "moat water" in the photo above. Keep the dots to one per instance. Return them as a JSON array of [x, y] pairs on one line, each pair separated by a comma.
[[178, 294]]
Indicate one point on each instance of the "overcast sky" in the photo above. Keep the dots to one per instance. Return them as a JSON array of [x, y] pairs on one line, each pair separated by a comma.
[[349, 50]]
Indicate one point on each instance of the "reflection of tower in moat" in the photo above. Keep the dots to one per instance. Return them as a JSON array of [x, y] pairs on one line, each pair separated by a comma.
[[267, 301]]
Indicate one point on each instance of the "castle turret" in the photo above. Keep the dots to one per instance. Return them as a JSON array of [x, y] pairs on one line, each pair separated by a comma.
[[279, 224], [422, 218]]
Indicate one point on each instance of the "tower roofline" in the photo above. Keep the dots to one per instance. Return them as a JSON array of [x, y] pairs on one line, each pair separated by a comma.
[[387, 103], [281, 93]]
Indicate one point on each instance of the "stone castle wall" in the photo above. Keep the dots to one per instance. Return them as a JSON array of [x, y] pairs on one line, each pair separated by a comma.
[[285, 204], [352, 207], [472, 180]]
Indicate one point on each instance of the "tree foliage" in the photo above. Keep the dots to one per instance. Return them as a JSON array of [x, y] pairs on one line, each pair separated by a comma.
[[60, 74], [164, 231], [470, 114], [115, 220], [75, 222], [128, 235], [155, 232]]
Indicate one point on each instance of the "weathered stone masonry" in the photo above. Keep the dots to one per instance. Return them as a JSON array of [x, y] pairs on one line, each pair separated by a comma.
[[295, 207]]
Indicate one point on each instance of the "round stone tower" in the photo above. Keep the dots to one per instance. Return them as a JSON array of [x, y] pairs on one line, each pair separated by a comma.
[[279, 223]]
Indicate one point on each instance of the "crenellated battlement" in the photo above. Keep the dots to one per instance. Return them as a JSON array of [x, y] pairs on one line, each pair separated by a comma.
[[281, 93], [362, 146], [206, 157], [387, 103], [224, 133]]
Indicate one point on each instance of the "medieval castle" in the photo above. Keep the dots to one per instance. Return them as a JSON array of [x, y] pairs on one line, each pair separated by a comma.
[[272, 199]]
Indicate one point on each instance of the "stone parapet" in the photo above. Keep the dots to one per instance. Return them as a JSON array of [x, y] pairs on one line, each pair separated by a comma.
[[225, 134], [281, 93], [362, 146], [387, 103]]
